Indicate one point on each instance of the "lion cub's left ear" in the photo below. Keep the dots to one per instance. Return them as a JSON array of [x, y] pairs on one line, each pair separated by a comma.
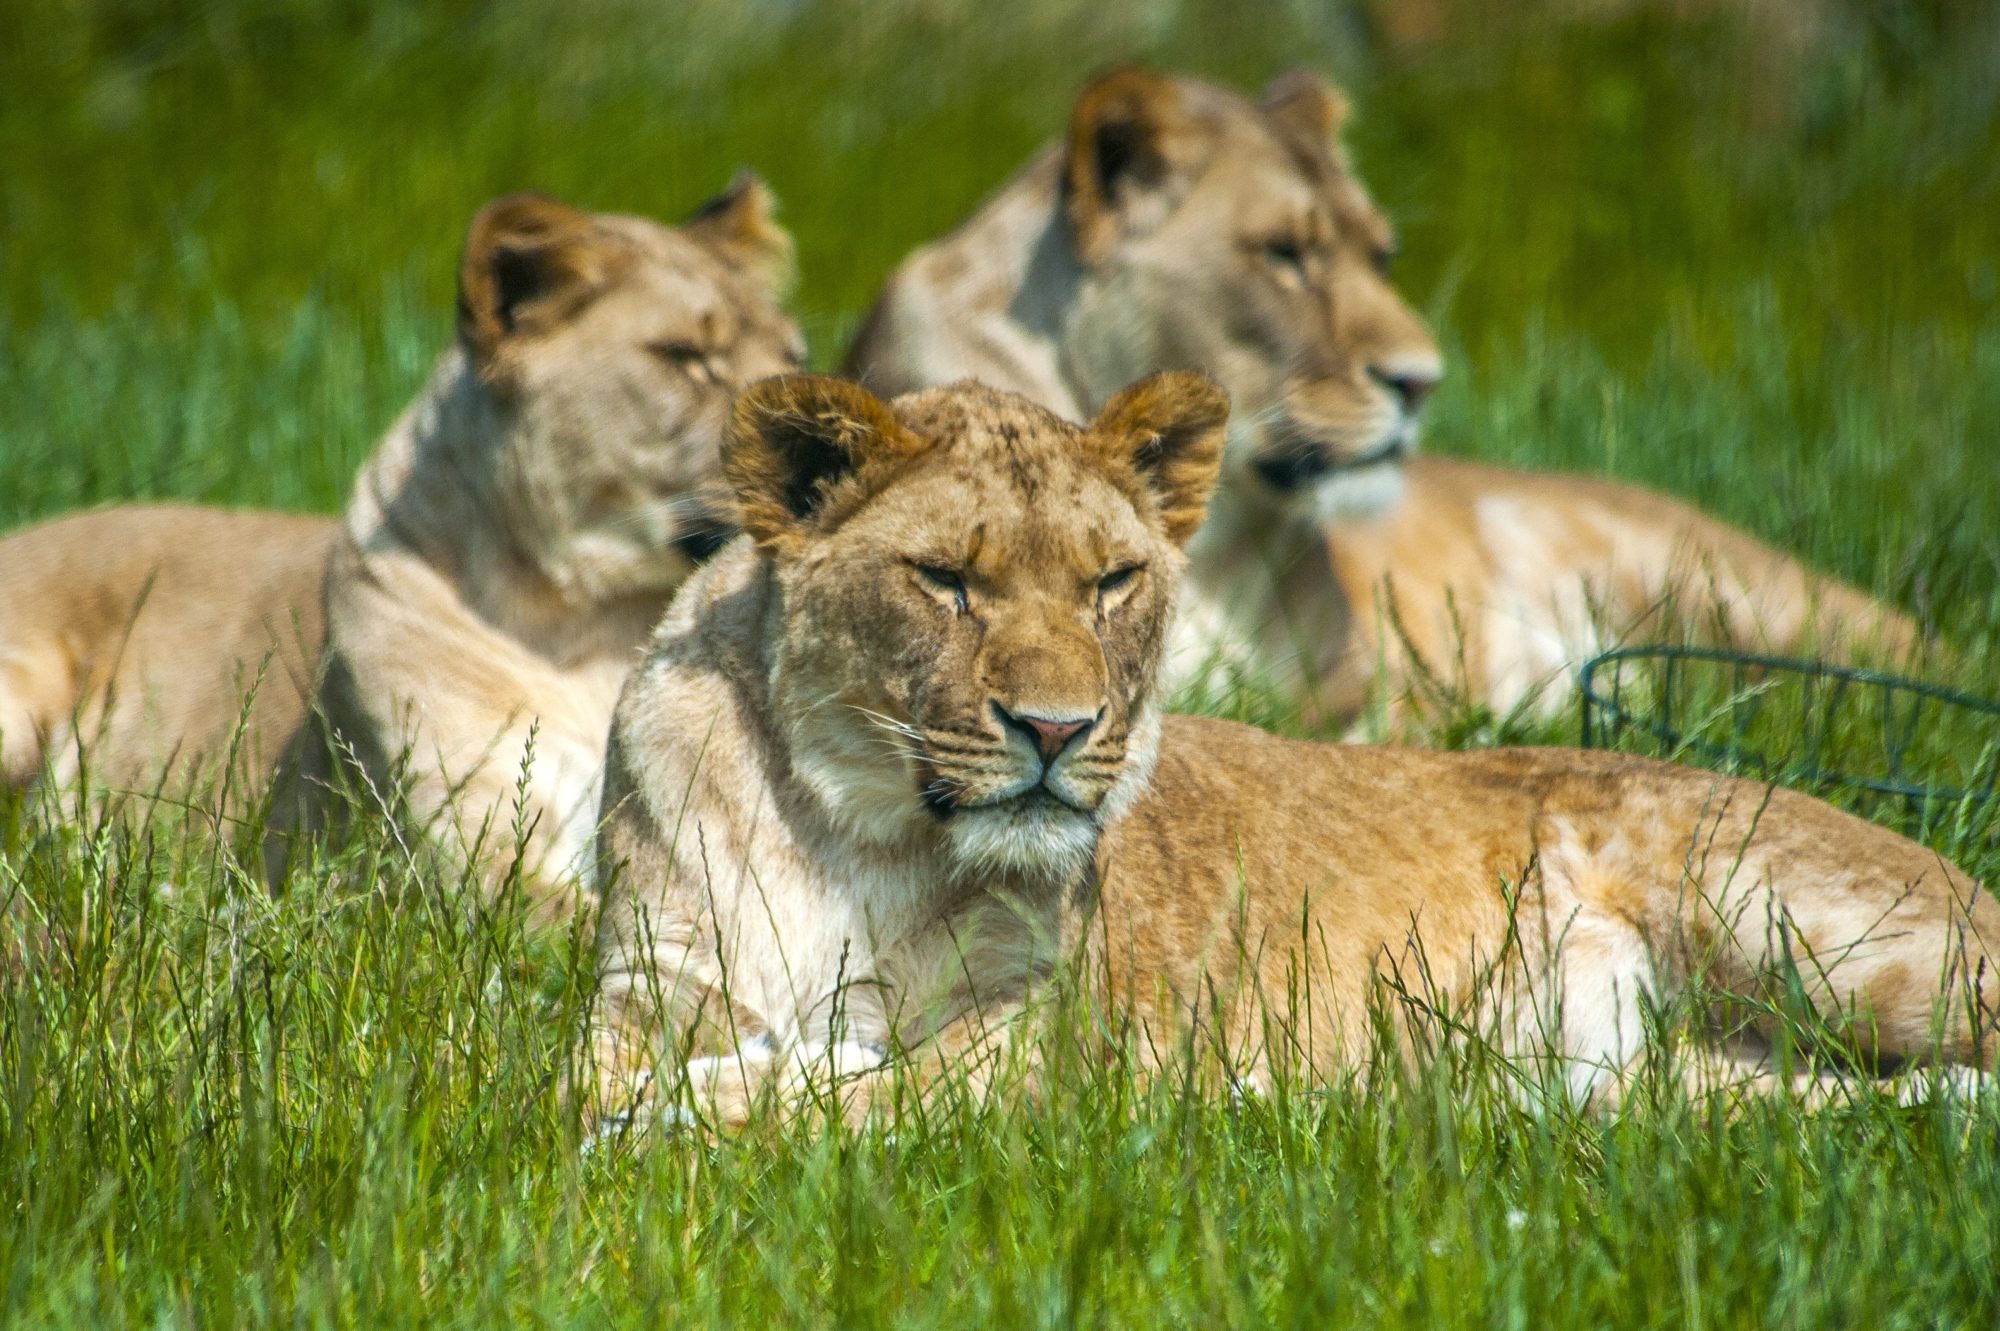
[[740, 225], [803, 450], [1171, 428]]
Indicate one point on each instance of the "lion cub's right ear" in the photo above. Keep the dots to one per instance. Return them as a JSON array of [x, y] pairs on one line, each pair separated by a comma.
[[803, 450], [530, 263], [1170, 428]]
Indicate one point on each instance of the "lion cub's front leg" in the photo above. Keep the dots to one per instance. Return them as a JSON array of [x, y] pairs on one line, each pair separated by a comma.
[[724, 1092]]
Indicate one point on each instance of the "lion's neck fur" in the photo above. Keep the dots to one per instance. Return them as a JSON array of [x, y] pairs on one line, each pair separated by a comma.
[[432, 496], [999, 300]]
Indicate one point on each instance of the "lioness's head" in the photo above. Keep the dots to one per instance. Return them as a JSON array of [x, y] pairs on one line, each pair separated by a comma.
[[608, 350], [975, 595], [1230, 236]]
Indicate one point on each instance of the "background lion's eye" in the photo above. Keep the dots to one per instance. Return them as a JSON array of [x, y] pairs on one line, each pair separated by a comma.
[[1385, 258], [941, 579], [1285, 254], [688, 357]]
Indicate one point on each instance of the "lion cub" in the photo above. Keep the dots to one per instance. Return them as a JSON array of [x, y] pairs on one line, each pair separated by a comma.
[[899, 754], [1181, 226], [510, 543]]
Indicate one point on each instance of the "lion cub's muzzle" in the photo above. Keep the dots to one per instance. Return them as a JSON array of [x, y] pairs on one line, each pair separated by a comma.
[[1049, 737], [1044, 754]]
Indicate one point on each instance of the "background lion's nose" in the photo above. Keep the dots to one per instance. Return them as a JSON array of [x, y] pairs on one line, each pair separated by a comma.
[[1050, 735], [1410, 386]]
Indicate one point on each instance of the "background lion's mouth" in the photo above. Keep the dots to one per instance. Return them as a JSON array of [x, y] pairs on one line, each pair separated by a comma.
[[1301, 465]]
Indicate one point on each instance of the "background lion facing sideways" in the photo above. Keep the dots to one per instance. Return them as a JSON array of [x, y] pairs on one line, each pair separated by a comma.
[[508, 545], [1179, 225]]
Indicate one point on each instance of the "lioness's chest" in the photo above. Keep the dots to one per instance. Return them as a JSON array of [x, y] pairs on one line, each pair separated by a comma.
[[883, 956]]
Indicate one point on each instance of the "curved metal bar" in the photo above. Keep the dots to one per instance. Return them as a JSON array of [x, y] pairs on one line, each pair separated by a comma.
[[1605, 714]]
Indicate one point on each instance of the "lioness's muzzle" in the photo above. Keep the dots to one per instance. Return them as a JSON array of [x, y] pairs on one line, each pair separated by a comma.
[[1299, 465]]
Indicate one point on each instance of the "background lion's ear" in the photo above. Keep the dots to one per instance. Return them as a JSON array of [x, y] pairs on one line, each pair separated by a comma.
[[800, 446], [1171, 428], [1303, 102], [530, 263], [1130, 149], [740, 225]]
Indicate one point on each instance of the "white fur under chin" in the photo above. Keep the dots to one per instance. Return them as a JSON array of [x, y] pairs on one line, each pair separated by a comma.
[[1050, 840], [1356, 496], [1037, 837]]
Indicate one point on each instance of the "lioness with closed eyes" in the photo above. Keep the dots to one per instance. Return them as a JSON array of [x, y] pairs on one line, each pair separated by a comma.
[[1178, 225], [898, 754], [511, 542]]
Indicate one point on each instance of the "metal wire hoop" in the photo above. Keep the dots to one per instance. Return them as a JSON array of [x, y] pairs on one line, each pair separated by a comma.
[[1906, 706]]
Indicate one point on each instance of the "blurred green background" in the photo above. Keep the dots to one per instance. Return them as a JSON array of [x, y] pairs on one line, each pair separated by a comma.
[[1749, 252]]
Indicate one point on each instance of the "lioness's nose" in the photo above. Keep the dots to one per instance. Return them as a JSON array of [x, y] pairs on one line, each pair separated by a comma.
[[1409, 384], [1049, 734]]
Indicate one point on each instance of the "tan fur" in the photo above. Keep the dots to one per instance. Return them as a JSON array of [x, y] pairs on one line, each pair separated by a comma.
[[1182, 226], [825, 839], [511, 542], [131, 637]]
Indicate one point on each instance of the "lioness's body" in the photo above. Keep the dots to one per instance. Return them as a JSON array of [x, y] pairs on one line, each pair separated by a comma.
[[132, 637], [512, 540], [1084, 273], [898, 755]]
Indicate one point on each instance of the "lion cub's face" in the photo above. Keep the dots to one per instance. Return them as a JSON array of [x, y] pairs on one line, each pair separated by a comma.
[[975, 595], [610, 348], [1231, 237]]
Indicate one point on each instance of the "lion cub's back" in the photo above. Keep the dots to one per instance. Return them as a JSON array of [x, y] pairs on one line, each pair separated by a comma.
[[142, 628], [1274, 844]]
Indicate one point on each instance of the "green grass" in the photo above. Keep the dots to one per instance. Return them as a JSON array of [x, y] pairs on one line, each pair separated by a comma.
[[1655, 251]]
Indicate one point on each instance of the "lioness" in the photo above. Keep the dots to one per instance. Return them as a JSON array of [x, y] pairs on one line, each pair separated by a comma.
[[899, 753], [1181, 226], [511, 542], [132, 638]]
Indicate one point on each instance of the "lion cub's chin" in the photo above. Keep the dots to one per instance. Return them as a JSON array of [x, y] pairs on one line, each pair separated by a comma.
[[1033, 834]]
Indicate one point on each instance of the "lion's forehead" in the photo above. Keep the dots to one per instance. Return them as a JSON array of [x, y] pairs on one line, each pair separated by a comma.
[[1009, 512], [971, 416]]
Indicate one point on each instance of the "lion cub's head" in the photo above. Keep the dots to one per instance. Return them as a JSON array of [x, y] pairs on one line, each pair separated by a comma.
[[607, 350], [1230, 236], [975, 595]]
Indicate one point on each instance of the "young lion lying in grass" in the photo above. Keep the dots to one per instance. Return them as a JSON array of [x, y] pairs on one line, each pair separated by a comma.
[[899, 754]]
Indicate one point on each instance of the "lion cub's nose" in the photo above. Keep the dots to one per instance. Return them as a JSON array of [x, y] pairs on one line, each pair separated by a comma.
[[1049, 734]]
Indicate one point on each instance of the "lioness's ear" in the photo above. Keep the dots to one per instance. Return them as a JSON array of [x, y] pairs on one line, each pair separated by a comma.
[[1129, 148], [804, 447], [740, 225], [1171, 428], [1303, 102], [530, 263]]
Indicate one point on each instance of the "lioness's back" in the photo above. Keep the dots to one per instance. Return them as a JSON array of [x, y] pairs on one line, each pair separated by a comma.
[[113, 623]]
